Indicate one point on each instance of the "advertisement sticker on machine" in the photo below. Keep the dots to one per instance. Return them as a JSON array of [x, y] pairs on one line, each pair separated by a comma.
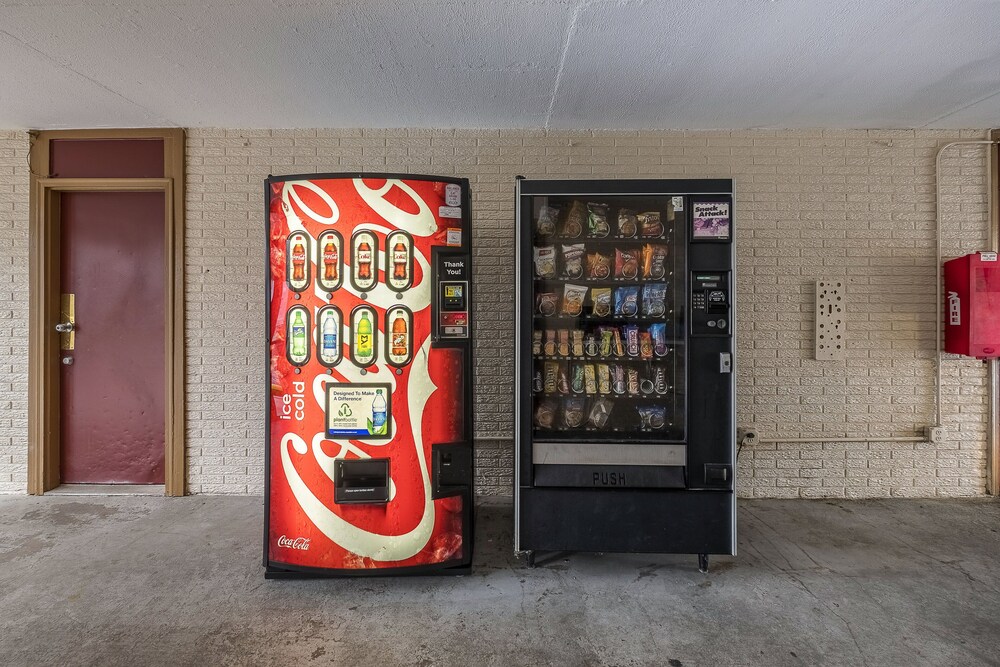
[[359, 411]]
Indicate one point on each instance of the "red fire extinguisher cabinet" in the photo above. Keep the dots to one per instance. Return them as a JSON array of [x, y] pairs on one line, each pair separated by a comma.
[[972, 305]]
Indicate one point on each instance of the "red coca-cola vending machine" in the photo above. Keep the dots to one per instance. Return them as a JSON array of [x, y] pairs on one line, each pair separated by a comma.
[[369, 406]]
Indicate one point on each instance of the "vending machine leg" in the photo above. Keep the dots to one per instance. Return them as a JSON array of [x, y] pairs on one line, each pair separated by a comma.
[[703, 563], [529, 558]]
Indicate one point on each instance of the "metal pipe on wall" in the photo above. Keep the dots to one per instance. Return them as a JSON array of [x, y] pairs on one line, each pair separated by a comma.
[[937, 266], [905, 438]]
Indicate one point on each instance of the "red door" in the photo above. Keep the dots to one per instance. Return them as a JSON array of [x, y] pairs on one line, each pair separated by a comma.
[[112, 395]]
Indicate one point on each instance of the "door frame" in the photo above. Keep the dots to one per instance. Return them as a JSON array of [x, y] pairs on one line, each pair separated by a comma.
[[44, 447], [993, 365]]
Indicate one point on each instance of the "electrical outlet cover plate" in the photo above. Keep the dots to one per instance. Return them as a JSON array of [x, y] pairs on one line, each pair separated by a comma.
[[831, 323]]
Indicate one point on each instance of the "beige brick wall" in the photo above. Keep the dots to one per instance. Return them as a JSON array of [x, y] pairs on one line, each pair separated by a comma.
[[13, 311], [853, 205]]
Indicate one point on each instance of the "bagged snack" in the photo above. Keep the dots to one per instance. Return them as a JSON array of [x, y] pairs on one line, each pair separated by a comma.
[[575, 219], [573, 411], [551, 377], [597, 220], [654, 261], [617, 347], [645, 345], [618, 378], [631, 340], [654, 296], [660, 385], [547, 302], [626, 263], [658, 332], [564, 342], [573, 260], [590, 379], [576, 379], [627, 300], [604, 378], [563, 383], [536, 342], [652, 416], [628, 225], [577, 341], [546, 223], [545, 261], [537, 382], [607, 340], [599, 412], [633, 381], [602, 301], [590, 345], [649, 224], [573, 298], [550, 343], [545, 413], [598, 266]]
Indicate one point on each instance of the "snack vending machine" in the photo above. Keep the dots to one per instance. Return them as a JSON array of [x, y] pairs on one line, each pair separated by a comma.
[[369, 406], [625, 419]]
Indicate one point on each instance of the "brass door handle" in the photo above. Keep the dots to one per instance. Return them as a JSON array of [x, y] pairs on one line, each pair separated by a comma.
[[65, 327]]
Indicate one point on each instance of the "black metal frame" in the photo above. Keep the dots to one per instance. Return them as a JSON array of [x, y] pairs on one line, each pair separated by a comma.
[[698, 518], [457, 566]]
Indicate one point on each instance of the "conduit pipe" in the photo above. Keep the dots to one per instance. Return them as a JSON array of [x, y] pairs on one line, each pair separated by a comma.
[[938, 307], [903, 438]]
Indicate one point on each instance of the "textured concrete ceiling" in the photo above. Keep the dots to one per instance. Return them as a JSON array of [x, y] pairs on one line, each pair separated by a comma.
[[493, 63]]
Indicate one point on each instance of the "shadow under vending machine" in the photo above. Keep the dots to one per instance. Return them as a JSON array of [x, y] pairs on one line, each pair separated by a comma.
[[625, 421], [368, 467]]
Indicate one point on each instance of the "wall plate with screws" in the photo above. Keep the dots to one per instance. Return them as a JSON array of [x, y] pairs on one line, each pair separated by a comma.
[[831, 323]]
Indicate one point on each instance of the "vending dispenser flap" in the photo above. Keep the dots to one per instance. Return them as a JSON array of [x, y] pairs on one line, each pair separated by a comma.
[[360, 481]]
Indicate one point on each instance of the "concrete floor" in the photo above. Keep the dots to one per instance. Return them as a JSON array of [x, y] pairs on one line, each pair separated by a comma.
[[150, 581]]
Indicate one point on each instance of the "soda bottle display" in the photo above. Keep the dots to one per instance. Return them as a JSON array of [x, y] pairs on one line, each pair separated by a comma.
[[364, 260], [399, 261], [298, 262], [379, 415], [329, 350], [330, 259], [298, 337], [363, 349], [398, 340]]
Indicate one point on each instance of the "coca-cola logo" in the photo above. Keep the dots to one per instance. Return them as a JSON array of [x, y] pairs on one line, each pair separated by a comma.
[[299, 543]]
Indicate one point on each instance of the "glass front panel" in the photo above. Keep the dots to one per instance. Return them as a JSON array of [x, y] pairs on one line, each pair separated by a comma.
[[607, 331]]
